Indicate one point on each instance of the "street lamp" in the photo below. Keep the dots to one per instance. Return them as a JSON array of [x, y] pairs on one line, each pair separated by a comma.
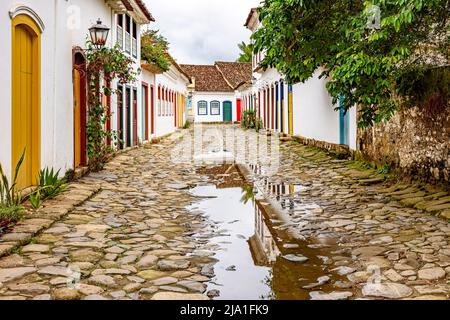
[[99, 34]]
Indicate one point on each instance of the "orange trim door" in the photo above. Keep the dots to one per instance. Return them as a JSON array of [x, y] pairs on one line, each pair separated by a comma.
[[26, 99]]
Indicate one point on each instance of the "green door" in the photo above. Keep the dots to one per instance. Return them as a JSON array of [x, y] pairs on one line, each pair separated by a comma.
[[227, 111]]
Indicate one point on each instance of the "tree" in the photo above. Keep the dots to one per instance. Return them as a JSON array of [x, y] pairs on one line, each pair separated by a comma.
[[154, 49], [364, 66], [246, 52]]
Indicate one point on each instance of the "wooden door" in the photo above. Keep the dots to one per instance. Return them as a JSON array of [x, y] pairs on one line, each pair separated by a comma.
[[135, 110], [227, 111], [152, 107], [120, 116], [290, 110], [26, 99], [128, 113], [145, 112], [77, 116], [238, 109], [343, 126]]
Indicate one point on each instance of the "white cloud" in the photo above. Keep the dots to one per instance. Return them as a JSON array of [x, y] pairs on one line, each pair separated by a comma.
[[202, 31]]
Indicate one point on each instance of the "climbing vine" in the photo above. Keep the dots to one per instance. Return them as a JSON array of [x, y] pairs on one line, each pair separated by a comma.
[[103, 66]]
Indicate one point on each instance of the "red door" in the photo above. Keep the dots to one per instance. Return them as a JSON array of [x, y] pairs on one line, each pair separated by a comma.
[[134, 117], [239, 109], [152, 106]]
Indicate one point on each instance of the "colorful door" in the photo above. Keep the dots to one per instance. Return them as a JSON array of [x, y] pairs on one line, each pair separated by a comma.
[[128, 112], [79, 101], [272, 107], [26, 99], [343, 126], [290, 110], [282, 105], [145, 112], [135, 110], [120, 122], [277, 106], [227, 111], [238, 109], [152, 111]]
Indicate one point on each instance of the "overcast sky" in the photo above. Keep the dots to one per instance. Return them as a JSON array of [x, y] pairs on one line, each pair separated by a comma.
[[202, 31]]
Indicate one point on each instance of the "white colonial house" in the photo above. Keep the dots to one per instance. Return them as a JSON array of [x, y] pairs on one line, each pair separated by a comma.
[[42, 72], [216, 97], [302, 109]]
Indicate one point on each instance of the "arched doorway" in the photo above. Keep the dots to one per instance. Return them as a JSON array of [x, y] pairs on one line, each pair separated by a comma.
[[79, 108], [26, 97]]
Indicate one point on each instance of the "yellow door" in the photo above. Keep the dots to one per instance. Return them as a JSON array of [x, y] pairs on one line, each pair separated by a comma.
[[77, 116], [25, 99]]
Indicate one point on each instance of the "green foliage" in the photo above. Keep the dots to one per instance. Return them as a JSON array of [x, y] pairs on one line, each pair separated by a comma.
[[154, 49], [36, 199], [49, 183], [362, 65], [9, 196], [249, 120], [246, 52], [103, 66], [385, 169], [49, 187], [247, 194], [187, 125], [11, 213]]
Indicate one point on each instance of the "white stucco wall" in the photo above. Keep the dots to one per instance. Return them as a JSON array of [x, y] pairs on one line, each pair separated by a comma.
[[66, 26], [213, 96], [314, 114]]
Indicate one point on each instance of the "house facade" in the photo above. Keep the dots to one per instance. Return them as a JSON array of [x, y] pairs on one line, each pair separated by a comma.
[[43, 71], [301, 109], [164, 95], [215, 96]]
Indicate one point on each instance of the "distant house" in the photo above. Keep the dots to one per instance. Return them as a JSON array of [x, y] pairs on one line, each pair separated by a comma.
[[216, 97]]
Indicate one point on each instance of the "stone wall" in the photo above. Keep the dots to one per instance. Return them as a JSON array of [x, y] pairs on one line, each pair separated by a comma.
[[413, 142]]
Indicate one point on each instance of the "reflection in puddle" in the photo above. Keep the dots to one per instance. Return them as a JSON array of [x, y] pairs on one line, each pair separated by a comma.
[[252, 255]]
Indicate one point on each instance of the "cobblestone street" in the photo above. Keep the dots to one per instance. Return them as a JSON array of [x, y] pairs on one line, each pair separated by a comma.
[[136, 238]]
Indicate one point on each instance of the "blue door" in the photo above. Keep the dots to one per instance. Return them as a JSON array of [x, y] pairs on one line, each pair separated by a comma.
[[344, 126]]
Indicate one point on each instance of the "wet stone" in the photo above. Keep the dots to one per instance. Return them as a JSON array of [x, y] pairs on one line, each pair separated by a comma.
[[387, 290], [336, 295], [173, 264], [297, 258]]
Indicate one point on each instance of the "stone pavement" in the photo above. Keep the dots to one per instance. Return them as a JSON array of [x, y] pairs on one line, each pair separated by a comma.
[[133, 238]]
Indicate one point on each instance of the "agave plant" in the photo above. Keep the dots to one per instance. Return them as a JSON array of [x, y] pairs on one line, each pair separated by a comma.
[[9, 196], [10, 199], [49, 184]]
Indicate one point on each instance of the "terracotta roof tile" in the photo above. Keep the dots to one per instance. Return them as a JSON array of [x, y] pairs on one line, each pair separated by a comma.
[[141, 5], [207, 78], [236, 73], [220, 77]]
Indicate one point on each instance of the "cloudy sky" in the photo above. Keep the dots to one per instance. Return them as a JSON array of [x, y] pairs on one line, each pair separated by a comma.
[[202, 31]]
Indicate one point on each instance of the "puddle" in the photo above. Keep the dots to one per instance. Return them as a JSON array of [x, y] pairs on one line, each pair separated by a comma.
[[253, 248]]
